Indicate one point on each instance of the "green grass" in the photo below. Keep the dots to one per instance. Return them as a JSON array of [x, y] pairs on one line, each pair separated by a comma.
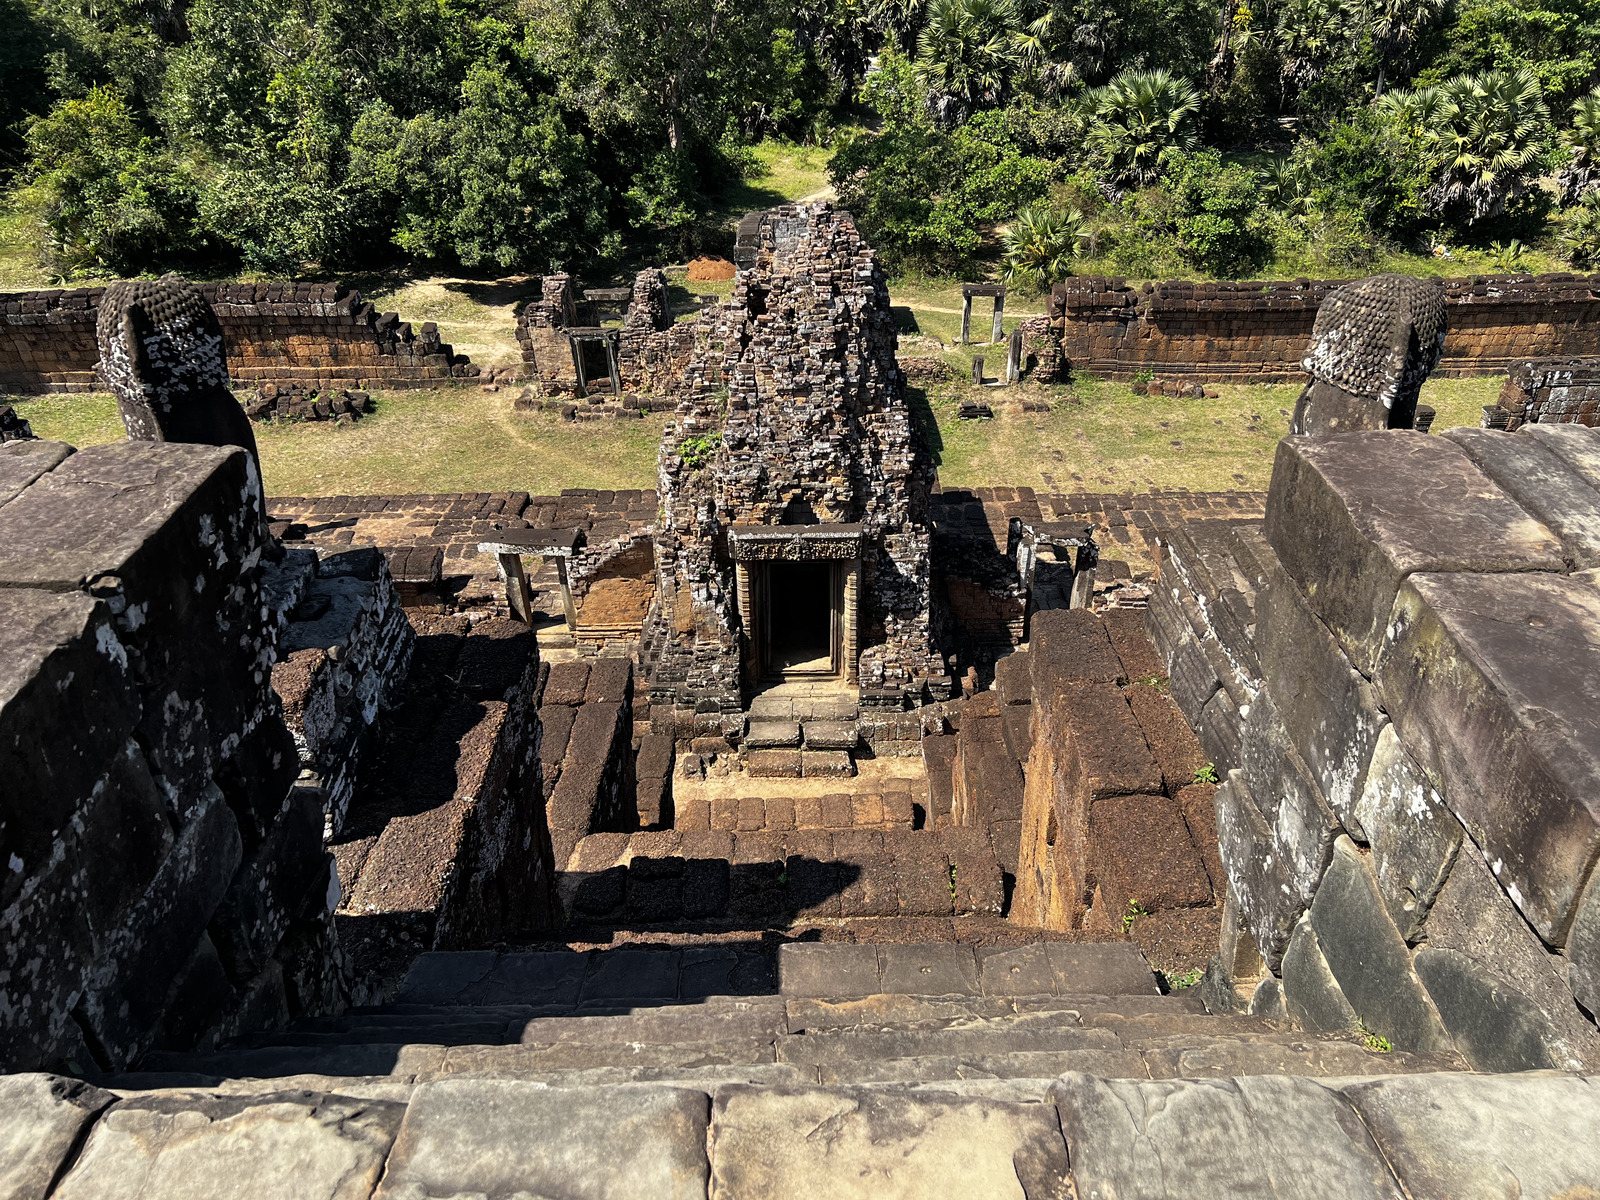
[[1099, 437], [448, 440]]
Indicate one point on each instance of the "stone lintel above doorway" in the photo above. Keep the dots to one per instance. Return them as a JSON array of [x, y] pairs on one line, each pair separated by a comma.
[[794, 543]]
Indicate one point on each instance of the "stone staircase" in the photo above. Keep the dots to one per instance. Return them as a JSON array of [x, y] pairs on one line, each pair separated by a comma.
[[1002, 1022]]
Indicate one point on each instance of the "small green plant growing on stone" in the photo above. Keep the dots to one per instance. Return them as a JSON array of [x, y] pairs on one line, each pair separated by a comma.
[[1178, 981], [1135, 911], [1144, 376], [1375, 1042], [696, 452], [1159, 682], [952, 881], [1207, 774]]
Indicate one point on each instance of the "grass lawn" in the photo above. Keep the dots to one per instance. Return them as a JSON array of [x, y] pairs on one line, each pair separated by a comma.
[[446, 440], [1099, 437]]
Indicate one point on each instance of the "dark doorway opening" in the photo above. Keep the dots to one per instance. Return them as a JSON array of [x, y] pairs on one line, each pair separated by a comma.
[[800, 618]]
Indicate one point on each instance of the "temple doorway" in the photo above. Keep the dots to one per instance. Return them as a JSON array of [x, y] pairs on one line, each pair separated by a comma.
[[801, 618]]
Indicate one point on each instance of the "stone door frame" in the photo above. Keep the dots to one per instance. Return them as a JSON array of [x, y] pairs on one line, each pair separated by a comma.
[[754, 547]]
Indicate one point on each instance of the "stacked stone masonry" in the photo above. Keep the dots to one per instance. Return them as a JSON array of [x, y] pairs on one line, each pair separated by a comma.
[[793, 413], [1257, 332], [1547, 391], [322, 336], [167, 884], [1395, 674]]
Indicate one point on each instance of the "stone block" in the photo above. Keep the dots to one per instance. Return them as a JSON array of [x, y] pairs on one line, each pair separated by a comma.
[[555, 725], [830, 735], [1067, 645], [589, 767], [772, 735], [882, 1143], [23, 462], [1551, 490], [1583, 947], [1272, 888], [1576, 445], [933, 969], [1368, 957], [1099, 969], [1473, 916], [838, 971], [1015, 971], [1198, 804], [65, 696], [504, 1137], [1414, 837], [1452, 1135], [1217, 1139], [1013, 678], [975, 871], [1330, 712], [939, 756], [825, 764], [45, 1119], [293, 1144], [1311, 995], [1193, 678], [610, 682], [1494, 1025], [1493, 683], [1125, 628], [772, 764], [567, 684], [1173, 743], [1352, 515], [922, 876], [1140, 852]]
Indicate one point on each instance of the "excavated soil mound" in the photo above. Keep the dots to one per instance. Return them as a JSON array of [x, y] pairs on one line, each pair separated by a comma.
[[704, 270]]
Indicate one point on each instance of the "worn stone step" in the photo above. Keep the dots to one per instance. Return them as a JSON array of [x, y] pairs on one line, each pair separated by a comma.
[[1016, 1065], [845, 971], [1000, 1035], [418, 1060], [772, 735], [919, 1012]]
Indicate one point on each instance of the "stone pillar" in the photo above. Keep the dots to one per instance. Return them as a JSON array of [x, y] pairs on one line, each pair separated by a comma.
[[577, 366], [567, 605], [1014, 357], [849, 634], [977, 369], [611, 362], [747, 618], [999, 309], [966, 317], [519, 593]]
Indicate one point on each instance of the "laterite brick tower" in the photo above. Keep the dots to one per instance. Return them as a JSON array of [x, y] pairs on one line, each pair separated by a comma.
[[793, 538]]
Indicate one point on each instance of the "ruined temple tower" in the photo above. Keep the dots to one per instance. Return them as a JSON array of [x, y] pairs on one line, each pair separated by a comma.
[[793, 538]]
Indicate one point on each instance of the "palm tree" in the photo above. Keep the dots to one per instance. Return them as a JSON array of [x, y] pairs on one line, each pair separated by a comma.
[[1581, 237], [1041, 244], [1485, 135], [1140, 119], [968, 49], [1582, 174], [1395, 25]]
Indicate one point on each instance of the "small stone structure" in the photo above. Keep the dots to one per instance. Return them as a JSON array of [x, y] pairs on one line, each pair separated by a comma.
[[613, 370], [167, 884], [1373, 344], [969, 292], [12, 427], [322, 336], [1548, 391], [1256, 331], [794, 493], [297, 402]]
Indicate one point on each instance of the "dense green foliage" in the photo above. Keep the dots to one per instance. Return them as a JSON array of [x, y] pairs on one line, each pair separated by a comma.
[[1146, 137]]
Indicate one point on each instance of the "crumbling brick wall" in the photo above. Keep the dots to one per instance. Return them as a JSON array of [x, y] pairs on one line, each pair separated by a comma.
[[1547, 391], [312, 335], [166, 882], [1256, 331], [1409, 827], [343, 653]]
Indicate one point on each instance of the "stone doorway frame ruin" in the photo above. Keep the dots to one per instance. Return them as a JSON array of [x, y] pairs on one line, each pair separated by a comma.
[[580, 337], [754, 548], [971, 290]]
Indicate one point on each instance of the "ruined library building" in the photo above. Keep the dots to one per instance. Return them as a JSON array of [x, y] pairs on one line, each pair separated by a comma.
[[802, 826]]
